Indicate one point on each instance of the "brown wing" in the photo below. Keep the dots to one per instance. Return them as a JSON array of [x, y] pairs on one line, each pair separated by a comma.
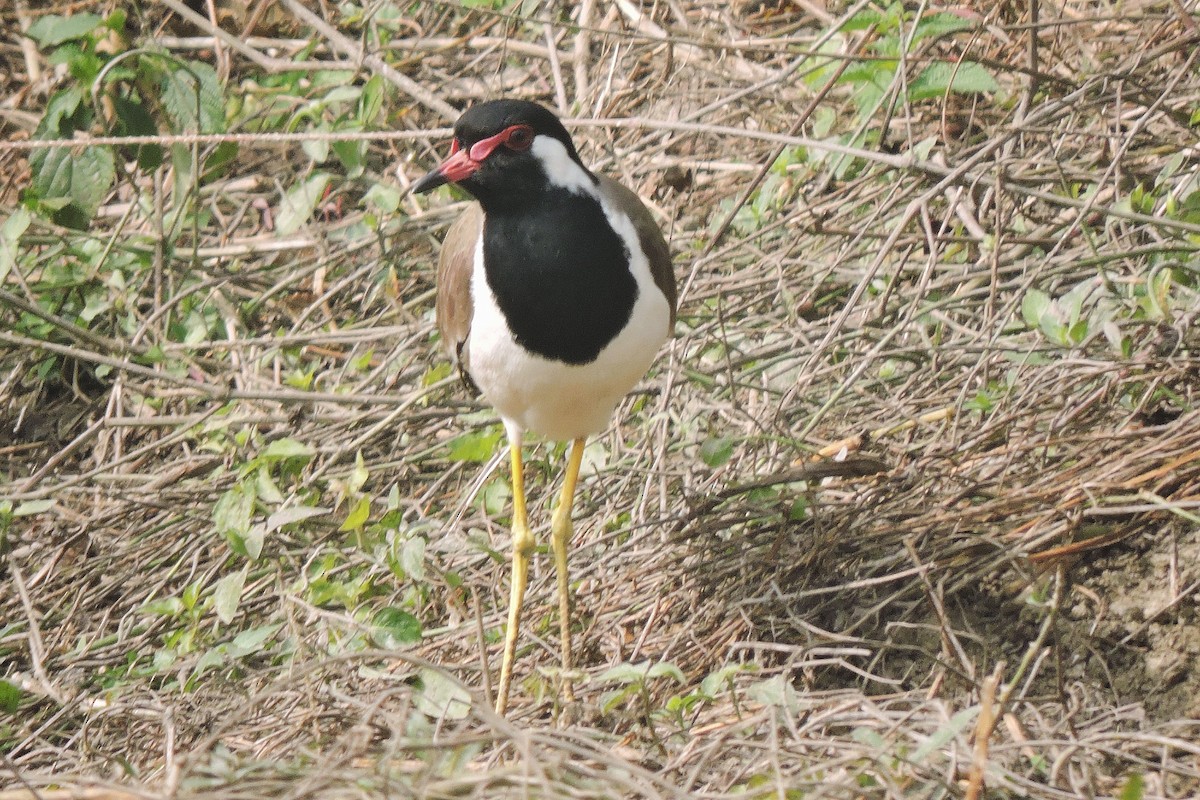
[[650, 236], [455, 265]]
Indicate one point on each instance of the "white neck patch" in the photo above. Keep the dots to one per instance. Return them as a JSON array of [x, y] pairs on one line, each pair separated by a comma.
[[560, 168]]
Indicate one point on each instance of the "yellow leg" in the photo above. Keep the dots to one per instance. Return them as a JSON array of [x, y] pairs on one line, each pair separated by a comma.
[[523, 543], [560, 539]]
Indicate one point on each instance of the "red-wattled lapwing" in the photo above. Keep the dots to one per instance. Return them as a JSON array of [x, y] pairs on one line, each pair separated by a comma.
[[555, 293]]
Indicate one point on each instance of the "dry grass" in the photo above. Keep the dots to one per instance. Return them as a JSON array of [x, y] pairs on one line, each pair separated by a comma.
[[1036, 519]]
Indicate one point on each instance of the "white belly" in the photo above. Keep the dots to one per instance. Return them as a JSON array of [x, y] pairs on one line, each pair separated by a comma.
[[551, 398]]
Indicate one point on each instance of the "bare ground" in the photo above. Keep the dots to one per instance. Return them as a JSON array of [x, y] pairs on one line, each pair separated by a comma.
[[1004, 588]]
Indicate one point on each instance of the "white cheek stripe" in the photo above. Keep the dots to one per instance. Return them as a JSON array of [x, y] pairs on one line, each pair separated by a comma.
[[560, 168]]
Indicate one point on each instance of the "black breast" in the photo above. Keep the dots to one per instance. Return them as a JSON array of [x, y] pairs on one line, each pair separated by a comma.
[[560, 274]]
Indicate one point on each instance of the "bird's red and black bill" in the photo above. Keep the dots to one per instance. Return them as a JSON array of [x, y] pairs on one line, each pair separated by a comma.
[[463, 163]]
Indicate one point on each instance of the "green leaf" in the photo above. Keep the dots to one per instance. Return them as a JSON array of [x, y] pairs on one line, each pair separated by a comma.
[[777, 691], [716, 451], [440, 697], [392, 628], [134, 120], [1134, 788], [252, 640], [231, 514], [862, 20], [358, 476], [940, 24], [665, 669], [298, 203], [1034, 306], [65, 114], [10, 239], [265, 487], [370, 102], [191, 95], [495, 496], [939, 78], [412, 558], [250, 543], [625, 673], [210, 659], [10, 697], [288, 448], [228, 593], [720, 680], [54, 29], [31, 508], [82, 178], [292, 515], [360, 512], [387, 200], [352, 154], [476, 446]]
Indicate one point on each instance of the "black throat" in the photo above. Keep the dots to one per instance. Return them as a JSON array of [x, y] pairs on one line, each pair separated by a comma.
[[560, 275]]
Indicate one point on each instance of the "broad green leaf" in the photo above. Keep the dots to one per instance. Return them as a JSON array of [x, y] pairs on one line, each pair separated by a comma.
[[1134, 788], [31, 507], [64, 115], [360, 512], [412, 558], [10, 697], [288, 448], [317, 149], [252, 640], [134, 120], [81, 177], [719, 680], [1034, 306], [370, 102], [352, 154], [862, 20], [358, 476], [264, 484], [54, 29], [10, 239], [190, 89], [298, 203], [477, 446], [716, 451], [210, 659], [625, 673], [228, 593], [777, 691], [231, 514], [392, 628], [250, 543], [440, 697], [97, 303], [665, 669], [163, 607], [495, 496], [940, 78], [940, 24], [293, 514], [387, 199]]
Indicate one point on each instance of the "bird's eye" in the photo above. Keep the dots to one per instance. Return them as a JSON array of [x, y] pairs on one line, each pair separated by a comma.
[[520, 137]]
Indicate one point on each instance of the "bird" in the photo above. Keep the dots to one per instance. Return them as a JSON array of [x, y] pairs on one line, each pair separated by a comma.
[[555, 292]]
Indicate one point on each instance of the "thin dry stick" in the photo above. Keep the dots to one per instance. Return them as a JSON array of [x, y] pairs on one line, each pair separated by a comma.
[[983, 731]]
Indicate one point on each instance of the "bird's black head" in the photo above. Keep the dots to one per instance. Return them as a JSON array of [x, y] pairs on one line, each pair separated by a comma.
[[504, 151]]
